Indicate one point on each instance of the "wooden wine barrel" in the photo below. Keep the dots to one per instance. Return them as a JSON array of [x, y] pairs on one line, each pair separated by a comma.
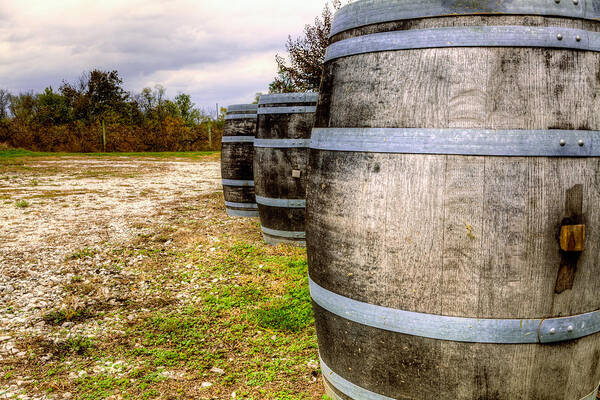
[[237, 154], [453, 219], [281, 157]]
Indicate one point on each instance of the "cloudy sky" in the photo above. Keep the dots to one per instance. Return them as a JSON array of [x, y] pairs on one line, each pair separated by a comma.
[[219, 51]]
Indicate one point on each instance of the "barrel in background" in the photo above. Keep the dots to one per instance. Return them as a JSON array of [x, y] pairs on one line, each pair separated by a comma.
[[281, 156], [447, 158], [237, 155]]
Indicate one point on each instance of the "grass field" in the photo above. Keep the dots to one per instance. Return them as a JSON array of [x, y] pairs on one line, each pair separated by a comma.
[[18, 153], [185, 304]]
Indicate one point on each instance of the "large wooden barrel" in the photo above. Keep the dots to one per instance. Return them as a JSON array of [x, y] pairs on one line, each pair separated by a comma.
[[285, 122], [453, 205], [237, 154]]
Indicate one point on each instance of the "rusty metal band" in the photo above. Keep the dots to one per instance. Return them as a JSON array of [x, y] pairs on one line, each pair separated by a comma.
[[458, 329], [474, 142], [368, 12], [288, 98], [238, 139], [473, 36], [359, 393]]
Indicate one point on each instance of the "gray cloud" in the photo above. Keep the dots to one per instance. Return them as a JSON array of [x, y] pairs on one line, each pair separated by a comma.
[[217, 51]]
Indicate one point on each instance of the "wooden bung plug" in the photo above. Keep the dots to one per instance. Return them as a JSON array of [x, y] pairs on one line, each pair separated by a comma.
[[572, 238]]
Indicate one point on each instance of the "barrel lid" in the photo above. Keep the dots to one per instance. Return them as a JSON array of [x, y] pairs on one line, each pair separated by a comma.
[[288, 98], [236, 108], [368, 12]]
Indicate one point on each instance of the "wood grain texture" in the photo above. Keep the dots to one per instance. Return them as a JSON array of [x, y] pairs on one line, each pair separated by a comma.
[[274, 168], [237, 160], [464, 236]]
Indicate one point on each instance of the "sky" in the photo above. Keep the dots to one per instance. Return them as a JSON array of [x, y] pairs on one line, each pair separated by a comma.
[[218, 51]]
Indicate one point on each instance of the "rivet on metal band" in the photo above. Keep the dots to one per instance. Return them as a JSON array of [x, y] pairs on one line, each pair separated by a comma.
[[235, 182], [457, 329], [358, 393], [473, 36], [240, 116], [282, 143], [284, 203], [284, 234], [287, 110], [253, 206], [475, 142], [369, 12], [238, 139]]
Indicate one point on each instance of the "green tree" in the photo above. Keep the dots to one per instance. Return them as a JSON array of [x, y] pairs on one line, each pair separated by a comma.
[[23, 107], [53, 108], [187, 110]]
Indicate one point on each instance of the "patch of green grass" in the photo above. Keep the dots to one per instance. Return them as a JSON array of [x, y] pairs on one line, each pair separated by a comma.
[[16, 153], [291, 313], [83, 253], [21, 204], [100, 386]]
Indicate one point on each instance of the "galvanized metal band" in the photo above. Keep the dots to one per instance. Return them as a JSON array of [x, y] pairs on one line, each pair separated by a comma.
[[242, 213], [474, 36], [288, 98], [253, 206], [592, 396], [284, 203], [287, 110], [241, 108], [369, 12], [235, 182], [358, 393], [282, 143], [457, 329], [238, 139], [284, 234], [240, 116], [348, 388], [476, 142]]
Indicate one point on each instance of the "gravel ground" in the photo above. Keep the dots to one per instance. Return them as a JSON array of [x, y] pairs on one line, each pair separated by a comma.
[[56, 217]]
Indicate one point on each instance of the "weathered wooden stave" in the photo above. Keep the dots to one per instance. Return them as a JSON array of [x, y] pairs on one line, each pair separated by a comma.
[[351, 254], [281, 149], [237, 154]]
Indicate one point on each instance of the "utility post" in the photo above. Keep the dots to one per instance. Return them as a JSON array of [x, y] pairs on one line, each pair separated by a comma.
[[103, 137]]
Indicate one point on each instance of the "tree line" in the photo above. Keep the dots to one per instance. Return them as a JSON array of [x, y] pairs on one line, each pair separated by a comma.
[[97, 114]]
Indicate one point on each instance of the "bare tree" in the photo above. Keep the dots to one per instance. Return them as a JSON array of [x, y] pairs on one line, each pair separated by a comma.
[[5, 97], [306, 56]]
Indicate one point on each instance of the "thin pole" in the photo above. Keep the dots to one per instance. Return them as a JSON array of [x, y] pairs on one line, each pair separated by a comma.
[[103, 137]]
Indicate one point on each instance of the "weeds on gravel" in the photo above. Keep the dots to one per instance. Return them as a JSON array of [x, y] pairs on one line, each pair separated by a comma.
[[83, 253], [21, 204], [58, 317]]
